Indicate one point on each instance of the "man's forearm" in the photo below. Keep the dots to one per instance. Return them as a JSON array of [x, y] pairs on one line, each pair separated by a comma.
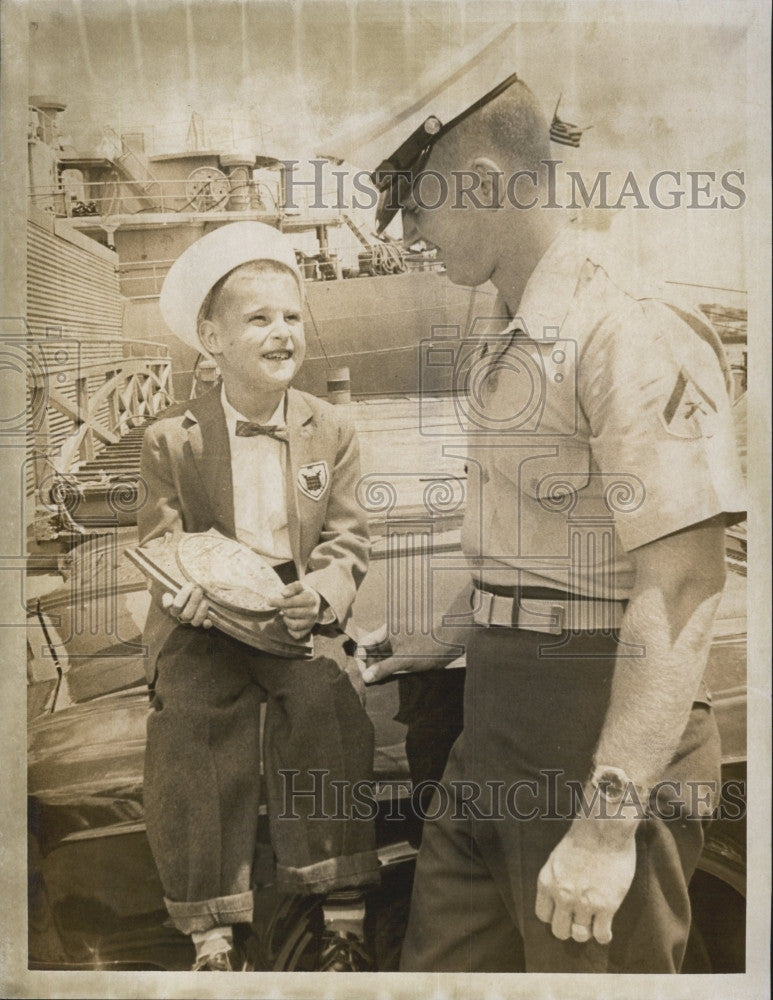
[[652, 693], [669, 618]]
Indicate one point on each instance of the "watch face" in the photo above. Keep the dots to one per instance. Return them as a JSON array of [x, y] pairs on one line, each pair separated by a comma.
[[229, 573], [611, 784]]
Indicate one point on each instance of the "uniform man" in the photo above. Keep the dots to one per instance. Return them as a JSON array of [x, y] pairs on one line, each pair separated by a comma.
[[602, 473]]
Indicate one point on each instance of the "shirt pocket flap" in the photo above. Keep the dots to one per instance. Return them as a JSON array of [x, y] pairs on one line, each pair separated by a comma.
[[554, 480]]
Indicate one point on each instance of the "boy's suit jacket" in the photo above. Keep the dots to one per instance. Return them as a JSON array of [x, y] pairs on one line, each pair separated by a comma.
[[186, 465]]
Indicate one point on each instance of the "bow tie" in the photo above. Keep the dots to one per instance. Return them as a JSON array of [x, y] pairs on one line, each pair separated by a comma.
[[245, 429]]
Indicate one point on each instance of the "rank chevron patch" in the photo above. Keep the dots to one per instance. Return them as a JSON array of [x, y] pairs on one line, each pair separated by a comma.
[[689, 412]]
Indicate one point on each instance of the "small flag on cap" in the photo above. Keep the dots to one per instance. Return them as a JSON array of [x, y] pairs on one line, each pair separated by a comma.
[[565, 133]]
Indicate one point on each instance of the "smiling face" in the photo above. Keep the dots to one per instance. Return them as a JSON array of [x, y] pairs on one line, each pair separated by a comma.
[[254, 328]]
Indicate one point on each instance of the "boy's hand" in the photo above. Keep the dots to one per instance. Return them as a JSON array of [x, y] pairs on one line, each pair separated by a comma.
[[188, 606], [299, 608]]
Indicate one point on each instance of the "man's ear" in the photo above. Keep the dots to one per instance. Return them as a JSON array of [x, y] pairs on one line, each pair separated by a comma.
[[492, 181], [209, 337]]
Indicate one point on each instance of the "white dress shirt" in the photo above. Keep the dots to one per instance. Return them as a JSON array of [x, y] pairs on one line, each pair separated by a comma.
[[258, 468]]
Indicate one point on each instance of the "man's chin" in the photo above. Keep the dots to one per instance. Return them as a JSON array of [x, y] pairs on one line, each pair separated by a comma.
[[464, 274], [458, 276]]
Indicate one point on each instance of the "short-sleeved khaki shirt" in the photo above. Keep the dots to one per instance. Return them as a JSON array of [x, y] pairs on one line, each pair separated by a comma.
[[601, 421]]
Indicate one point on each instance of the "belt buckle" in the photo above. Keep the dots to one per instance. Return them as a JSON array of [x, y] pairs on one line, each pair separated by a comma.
[[544, 617]]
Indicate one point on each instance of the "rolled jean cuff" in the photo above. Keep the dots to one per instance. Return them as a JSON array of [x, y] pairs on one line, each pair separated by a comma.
[[204, 914], [345, 872]]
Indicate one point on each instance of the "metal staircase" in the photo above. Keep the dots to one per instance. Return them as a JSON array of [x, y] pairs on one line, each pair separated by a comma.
[[121, 459]]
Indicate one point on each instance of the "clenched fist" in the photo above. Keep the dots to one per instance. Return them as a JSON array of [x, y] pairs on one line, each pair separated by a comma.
[[585, 879]]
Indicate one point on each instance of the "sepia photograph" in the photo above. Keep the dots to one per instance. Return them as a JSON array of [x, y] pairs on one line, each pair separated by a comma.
[[385, 446]]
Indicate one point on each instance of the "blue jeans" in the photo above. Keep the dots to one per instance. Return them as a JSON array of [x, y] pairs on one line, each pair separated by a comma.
[[203, 767]]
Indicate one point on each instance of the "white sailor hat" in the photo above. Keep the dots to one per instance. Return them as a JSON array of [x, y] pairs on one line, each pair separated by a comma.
[[211, 258]]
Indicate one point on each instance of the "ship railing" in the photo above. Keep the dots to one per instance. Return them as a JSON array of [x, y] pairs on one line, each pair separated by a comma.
[[85, 394], [118, 196], [303, 197], [420, 262], [142, 279]]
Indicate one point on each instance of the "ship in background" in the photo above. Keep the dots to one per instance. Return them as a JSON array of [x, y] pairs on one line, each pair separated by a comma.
[[105, 226], [369, 301]]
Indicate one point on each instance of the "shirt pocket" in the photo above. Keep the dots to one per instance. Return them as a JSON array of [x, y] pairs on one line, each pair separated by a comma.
[[553, 480]]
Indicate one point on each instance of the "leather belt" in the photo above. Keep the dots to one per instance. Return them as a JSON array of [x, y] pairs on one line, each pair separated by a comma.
[[552, 616]]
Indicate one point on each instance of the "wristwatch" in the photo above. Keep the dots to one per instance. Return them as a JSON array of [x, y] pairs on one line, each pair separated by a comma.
[[613, 784]]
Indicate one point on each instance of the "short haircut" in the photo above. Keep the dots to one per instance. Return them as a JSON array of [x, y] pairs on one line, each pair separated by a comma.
[[512, 126], [210, 303]]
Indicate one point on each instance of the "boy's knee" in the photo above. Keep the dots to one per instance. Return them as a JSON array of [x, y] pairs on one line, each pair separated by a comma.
[[320, 688]]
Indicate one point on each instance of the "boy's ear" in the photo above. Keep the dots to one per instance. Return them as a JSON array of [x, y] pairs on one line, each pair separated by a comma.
[[208, 336], [492, 181]]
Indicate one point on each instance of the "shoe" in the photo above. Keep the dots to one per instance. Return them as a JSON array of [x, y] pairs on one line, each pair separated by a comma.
[[343, 952], [230, 960]]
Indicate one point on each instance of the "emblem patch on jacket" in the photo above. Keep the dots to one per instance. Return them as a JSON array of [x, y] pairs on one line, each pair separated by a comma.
[[313, 479]]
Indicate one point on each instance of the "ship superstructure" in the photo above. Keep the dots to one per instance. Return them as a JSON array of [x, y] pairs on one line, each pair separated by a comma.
[[92, 386], [104, 228], [369, 302]]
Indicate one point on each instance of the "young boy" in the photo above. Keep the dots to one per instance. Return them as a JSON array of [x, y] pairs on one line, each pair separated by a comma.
[[276, 469]]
